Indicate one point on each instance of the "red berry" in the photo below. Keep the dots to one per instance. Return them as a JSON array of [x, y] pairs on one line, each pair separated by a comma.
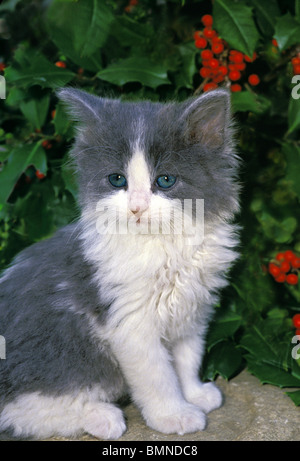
[[295, 61], [280, 257], [295, 262], [46, 144], [53, 112], [201, 42], [274, 269], [208, 32], [236, 57], [207, 20], [296, 320], [285, 266], [292, 279], [297, 332], [61, 64], [281, 278], [234, 75], [2, 66], [210, 86], [236, 87], [197, 34], [217, 48], [223, 70], [296, 69], [204, 72], [206, 54], [253, 79], [39, 174], [248, 59], [274, 42], [214, 63], [241, 66], [289, 255]]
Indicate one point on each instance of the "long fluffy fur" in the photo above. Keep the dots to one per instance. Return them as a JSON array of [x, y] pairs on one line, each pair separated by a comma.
[[89, 317]]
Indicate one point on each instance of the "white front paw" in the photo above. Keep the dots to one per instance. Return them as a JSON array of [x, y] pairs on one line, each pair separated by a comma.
[[186, 419], [207, 397]]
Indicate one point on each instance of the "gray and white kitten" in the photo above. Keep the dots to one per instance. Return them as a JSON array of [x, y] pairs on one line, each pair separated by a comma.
[[91, 315]]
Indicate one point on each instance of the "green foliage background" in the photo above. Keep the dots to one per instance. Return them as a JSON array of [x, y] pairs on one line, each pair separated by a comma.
[[147, 51]]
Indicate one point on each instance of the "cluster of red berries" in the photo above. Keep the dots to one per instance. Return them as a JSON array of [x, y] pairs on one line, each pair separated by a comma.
[[296, 64], [285, 268], [296, 323], [218, 62], [295, 61]]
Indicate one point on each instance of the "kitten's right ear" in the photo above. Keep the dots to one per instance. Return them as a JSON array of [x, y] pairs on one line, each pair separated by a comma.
[[81, 106]]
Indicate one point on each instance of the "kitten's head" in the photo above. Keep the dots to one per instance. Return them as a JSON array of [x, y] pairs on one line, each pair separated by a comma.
[[141, 157]]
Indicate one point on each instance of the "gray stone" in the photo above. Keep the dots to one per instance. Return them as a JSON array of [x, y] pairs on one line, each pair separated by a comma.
[[251, 412]]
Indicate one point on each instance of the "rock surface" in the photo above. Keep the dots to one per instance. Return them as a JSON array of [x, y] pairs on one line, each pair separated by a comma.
[[251, 412]]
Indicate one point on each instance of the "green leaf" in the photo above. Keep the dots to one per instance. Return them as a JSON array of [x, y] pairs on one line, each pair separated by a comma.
[[295, 396], [186, 71], [135, 69], [62, 123], [269, 355], [294, 115], [36, 110], [131, 32], [223, 327], [80, 29], [292, 155], [32, 68], [245, 101], [270, 374], [235, 24], [18, 161], [223, 359], [266, 12], [287, 31]]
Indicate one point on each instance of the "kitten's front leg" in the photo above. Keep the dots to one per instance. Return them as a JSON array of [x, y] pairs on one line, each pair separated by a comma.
[[188, 354], [152, 380]]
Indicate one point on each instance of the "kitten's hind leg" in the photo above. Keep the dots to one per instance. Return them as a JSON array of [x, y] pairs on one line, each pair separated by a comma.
[[38, 416], [188, 354]]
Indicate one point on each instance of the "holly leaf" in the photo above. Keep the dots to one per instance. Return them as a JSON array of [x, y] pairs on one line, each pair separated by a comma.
[[36, 110], [245, 101], [223, 327], [292, 155], [19, 159], [269, 355], [293, 115], [266, 12], [80, 29], [295, 396], [235, 24], [223, 359], [32, 68], [287, 31], [186, 71], [135, 69]]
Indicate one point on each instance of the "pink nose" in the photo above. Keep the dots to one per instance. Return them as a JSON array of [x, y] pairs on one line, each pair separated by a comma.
[[138, 202]]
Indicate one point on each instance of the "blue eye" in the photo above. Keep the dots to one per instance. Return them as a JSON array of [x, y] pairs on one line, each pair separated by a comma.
[[166, 181], [117, 180]]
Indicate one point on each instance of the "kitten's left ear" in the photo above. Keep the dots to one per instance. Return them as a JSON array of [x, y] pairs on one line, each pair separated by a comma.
[[208, 118], [82, 106]]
